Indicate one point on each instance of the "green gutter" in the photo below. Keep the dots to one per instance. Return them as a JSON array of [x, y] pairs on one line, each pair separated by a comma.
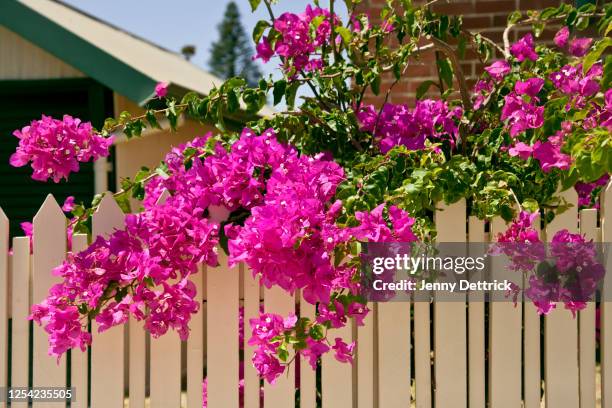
[[77, 52]]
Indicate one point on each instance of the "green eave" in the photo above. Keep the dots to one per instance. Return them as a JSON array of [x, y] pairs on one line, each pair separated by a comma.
[[77, 52]]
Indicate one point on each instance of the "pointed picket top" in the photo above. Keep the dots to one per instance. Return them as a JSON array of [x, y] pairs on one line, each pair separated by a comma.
[[163, 197], [108, 347], [49, 251], [49, 210], [568, 219], [108, 217], [3, 218]]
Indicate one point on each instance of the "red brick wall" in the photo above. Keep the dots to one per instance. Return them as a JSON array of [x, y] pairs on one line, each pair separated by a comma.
[[485, 16]]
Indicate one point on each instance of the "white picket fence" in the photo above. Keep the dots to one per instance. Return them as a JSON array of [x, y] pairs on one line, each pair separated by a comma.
[[401, 360]]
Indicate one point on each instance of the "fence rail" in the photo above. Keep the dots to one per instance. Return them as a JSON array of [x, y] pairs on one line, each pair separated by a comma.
[[445, 354]]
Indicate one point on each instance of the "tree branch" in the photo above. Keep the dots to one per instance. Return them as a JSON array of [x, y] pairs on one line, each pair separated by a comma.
[[450, 53]]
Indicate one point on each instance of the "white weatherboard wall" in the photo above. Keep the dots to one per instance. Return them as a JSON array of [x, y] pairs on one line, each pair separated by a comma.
[[459, 366]]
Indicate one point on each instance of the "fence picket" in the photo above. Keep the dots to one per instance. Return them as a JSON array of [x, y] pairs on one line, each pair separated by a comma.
[[222, 286], [137, 360], [49, 250], [532, 379], [165, 371], [561, 331], [366, 361], [195, 345], [586, 323], [282, 392], [422, 354], [476, 328], [107, 351], [4, 296], [505, 337], [251, 311], [165, 361], [606, 304], [336, 377], [78, 359], [308, 380], [450, 361], [20, 369], [394, 354]]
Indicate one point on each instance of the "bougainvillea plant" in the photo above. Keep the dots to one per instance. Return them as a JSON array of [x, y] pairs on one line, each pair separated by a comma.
[[293, 195]]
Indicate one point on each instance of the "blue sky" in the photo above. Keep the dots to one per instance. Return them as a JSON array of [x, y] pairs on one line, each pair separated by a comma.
[[175, 23]]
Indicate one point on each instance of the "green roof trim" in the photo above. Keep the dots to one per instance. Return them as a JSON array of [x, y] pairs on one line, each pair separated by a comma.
[[77, 52]]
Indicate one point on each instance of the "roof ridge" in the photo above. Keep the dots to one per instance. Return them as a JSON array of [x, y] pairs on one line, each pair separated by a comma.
[[116, 27]]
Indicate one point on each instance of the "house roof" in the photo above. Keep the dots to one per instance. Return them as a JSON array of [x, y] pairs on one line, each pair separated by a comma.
[[122, 61]]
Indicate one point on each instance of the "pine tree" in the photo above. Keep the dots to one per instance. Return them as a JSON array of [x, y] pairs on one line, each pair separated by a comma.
[[231, 55]]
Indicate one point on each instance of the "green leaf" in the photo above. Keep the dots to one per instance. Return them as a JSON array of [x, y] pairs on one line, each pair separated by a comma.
[[254, 4], [607, 75], [279, 91], [110, 123], [446, 71], [592, 57], [538, 28], [290, 93], [232, 102], [548, 13], [423, 88], [375, 84], [124, 117], [150, 116], [345, 33], [571, 18], [259, 29], [531, 205], [461, 47], [514, 17]]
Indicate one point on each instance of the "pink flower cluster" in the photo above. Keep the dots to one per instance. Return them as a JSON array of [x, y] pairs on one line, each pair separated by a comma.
[[299, 39], [571, 81], [398, 125], [521, 108], [498, 70], [524, 49], [567, 272], [56, 147], [585, 191], [578, 47], [548, 153], [143, 271], [280, 219]]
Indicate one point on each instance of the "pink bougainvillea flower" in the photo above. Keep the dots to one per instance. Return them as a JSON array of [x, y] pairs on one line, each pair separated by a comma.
[[562, 37], [524, 49], [482, 90], [263, 50], [161, 89], [68, 204], [268, 366], [313, 351], [56, 147], [521, 115], [530, 87], [585, 190], [521, 150], [578, 47], [498, 70], [549, 154], [343, 351]]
